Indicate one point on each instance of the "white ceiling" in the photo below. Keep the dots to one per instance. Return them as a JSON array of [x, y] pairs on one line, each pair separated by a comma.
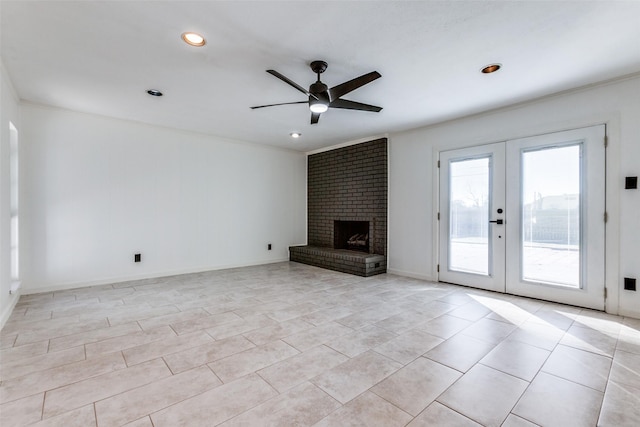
[[102, 56]]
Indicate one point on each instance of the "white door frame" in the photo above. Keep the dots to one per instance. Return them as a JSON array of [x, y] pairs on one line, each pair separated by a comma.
[[595, 176]]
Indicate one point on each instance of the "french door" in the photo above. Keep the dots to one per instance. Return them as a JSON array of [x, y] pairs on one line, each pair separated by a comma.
[[526, 217]]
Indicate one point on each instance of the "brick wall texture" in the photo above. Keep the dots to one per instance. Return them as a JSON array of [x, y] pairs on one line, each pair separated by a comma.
[[348, 184]]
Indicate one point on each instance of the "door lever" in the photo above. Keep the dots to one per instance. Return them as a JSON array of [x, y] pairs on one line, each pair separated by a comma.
[[497, 221]]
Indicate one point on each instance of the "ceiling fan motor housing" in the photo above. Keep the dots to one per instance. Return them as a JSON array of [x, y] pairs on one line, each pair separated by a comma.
[[320, 90]]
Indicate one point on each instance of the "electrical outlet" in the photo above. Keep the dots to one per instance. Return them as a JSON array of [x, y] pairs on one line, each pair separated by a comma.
[[269, 247], [629, 284], [631, 182], [137, 257]]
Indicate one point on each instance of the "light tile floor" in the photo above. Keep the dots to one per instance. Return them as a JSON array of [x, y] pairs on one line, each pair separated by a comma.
[[292, 345]]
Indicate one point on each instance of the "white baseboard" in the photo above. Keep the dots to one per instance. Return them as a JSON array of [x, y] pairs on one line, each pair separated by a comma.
[[629, 313], [108, 281], [411, 274]]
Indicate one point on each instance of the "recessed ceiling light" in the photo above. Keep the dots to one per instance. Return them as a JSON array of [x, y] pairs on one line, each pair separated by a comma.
[[492, 68], [295, 134], [154, 92], [194, 39]]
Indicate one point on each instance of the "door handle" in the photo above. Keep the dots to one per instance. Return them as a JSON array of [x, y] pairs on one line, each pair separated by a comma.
[[498, 221]]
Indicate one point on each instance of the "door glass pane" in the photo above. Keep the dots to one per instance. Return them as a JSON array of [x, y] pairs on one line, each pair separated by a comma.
[[551, 201], [469, 215]]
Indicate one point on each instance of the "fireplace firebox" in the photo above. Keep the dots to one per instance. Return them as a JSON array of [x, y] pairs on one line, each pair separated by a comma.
[[352, 235]]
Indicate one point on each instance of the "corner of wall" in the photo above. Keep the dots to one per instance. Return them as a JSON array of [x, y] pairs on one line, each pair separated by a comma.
[[9, 113]]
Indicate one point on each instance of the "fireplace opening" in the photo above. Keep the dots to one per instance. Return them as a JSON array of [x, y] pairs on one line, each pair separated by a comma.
[[353, 235]]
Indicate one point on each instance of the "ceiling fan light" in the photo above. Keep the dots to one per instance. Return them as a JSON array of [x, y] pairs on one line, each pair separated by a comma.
[[318, 106]]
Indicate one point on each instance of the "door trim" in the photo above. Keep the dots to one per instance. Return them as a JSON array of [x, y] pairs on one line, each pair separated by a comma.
[[608, 301]]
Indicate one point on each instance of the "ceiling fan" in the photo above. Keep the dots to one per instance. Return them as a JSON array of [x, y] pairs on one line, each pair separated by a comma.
[[322, 98]]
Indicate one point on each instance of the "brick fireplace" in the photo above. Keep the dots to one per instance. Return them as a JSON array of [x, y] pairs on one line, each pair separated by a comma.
[[347, 209]]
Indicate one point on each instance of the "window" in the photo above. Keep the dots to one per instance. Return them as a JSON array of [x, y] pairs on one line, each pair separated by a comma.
[[13, 194], [550, 209]]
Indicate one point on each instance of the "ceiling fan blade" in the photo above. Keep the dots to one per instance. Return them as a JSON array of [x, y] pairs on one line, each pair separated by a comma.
[[352, 105], [314, 118], [346, 87], [282, 103], [291, 83]]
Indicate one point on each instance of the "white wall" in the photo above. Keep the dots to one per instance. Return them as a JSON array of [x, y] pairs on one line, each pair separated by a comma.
[[97, 190], [8, 113], [413, 187]]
